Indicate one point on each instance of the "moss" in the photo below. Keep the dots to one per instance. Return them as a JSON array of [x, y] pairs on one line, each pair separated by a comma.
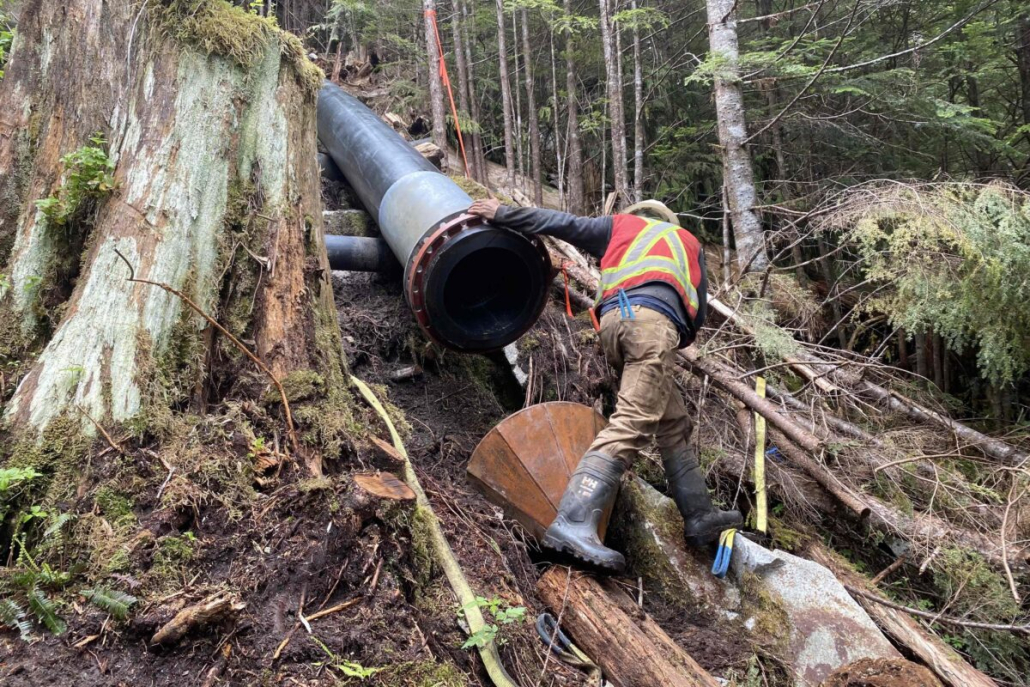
[[786, 538], [768, 614], [116, 507], [420, 525], [217, 27], [313, 484], [477, 191], [172, 554], [349, 223], [299, 385], [57, 454], [421, 674]]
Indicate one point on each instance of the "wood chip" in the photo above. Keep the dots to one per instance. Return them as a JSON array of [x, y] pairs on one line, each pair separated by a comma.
[[385, 485]]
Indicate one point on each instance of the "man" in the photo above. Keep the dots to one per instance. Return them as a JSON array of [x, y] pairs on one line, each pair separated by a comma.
[[651, 302]]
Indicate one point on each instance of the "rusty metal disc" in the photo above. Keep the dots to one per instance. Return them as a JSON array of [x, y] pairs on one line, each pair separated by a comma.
[[524, 463]]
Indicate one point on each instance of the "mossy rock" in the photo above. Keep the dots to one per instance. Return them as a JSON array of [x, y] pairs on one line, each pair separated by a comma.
[[348, 223]]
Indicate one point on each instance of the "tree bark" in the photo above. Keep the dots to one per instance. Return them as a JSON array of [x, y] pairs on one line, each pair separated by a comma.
[[534, 119], [628, 645], [1023, 59], [477, 136], [575, 163], [215, 158], [615, 109], [732, 125], [502, 58], [464, 97], [435, 84], [638, 116]]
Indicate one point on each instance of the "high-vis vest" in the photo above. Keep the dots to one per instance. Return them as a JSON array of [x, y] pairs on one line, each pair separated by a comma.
[[645, 250]]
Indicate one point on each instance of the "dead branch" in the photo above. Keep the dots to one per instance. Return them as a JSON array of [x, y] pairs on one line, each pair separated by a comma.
[[196, 616], [236, 342]]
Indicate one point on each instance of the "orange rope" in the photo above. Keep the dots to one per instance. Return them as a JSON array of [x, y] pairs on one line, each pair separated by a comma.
[[431, 18]]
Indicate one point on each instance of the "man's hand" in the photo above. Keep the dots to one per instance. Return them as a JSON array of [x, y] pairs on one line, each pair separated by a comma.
[[486, 209]]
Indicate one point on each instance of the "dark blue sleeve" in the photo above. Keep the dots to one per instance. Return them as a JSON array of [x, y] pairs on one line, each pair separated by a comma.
[[591, 234]]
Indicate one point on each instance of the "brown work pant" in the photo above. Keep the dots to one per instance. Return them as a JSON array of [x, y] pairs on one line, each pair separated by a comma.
[[643, 350]]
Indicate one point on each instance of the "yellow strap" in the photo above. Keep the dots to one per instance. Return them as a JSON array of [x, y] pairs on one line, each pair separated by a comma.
[[762, 505]]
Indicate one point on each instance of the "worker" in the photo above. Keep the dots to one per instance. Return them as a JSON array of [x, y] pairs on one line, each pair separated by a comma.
[[651, 302]]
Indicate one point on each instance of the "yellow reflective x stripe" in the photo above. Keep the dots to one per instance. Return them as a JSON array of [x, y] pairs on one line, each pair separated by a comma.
[[646, 240], [612, 277]]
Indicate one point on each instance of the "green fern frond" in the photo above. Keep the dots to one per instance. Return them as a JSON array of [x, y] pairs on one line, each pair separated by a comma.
[[13, 616], [110, 600], [57, 525], [45, 611]]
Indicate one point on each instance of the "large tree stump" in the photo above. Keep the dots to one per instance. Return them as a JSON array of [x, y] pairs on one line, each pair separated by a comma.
[[208, 113], [629, 646]]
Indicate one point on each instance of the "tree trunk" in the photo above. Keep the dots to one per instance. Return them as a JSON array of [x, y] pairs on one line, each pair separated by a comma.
[[1023, 59], [502, 58], [627, 644], [477, 136], [575, 163], [534, 120], [435, 84], [463, 87], [615, 110], [214, 158], [638, 116], [729, 109], [922, 364], [519, 156]]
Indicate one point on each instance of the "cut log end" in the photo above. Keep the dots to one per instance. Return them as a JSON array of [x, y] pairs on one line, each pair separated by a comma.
[[385, 486]]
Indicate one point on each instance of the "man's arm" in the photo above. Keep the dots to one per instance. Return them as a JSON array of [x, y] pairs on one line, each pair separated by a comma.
[[591, 234]]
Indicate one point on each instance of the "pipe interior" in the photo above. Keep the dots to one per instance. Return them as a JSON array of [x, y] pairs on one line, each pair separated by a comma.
[[488, 292]]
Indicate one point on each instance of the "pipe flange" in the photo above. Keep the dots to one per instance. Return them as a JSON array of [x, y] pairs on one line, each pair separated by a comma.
[[428, 246]]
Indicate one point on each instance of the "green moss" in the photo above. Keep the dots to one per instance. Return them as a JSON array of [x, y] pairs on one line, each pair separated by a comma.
[[217, 27], [477, 191], [116, 507], [58, 455], [768, 614], [300, 385], [422, 559], [422, 674], [173, 552], [313, 484]]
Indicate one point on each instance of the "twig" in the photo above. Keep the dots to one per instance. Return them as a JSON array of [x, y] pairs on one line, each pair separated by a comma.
[[898, 562], [236, 342], [1004, 526], [335, 609], [110, 442], [1025, 629]]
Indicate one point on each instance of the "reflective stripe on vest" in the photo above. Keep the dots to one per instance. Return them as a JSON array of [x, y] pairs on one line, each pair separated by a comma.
[[639, 259]]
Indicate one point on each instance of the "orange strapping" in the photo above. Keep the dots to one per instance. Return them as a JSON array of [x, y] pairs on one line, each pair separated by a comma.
[[568, 299], [431, 18]]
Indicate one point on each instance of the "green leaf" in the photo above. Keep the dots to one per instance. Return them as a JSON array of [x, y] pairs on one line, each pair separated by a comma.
[[115, 602], [45, 611], [13, 616]]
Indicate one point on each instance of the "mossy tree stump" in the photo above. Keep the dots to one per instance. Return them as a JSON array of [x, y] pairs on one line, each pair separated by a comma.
[[208, 116]]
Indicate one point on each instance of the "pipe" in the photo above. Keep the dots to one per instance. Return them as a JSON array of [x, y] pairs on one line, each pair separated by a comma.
[[472, 287], [359, 254]]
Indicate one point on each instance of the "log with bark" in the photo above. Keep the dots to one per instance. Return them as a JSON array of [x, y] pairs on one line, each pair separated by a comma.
[[629, 646]]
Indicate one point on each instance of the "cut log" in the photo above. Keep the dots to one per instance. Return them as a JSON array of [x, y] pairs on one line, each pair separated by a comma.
[[905, 632], [392, 454], [629, 646]]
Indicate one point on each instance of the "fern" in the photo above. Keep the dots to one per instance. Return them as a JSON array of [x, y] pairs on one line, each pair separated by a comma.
[[12, 615], [45, 611], [111, 600]]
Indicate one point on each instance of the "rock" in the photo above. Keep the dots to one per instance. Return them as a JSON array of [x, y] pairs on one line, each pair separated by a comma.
[[872, 672], [648, 529], [433, 153], [827, 628], [348, 223]]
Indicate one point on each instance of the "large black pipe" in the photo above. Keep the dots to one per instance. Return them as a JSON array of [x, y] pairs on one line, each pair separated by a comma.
[[472, 287], [359, 254]]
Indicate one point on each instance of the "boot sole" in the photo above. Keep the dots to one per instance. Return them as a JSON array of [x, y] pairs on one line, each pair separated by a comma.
[[566, 550]]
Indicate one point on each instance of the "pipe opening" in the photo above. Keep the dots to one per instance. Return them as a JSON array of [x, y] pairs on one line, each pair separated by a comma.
[[482, 293], [485, 289]]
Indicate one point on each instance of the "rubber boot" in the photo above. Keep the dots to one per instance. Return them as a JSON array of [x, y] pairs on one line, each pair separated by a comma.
[[588, 498], [702, 522]]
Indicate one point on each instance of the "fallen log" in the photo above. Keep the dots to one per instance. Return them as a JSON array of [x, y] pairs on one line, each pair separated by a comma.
[[905, 632], [629, 646]]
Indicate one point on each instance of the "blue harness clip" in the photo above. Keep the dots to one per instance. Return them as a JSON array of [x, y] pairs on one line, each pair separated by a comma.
[[724, 554]]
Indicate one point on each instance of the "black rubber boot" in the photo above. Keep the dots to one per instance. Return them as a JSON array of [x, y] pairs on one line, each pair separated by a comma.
[[588, 497], [702, 522]]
